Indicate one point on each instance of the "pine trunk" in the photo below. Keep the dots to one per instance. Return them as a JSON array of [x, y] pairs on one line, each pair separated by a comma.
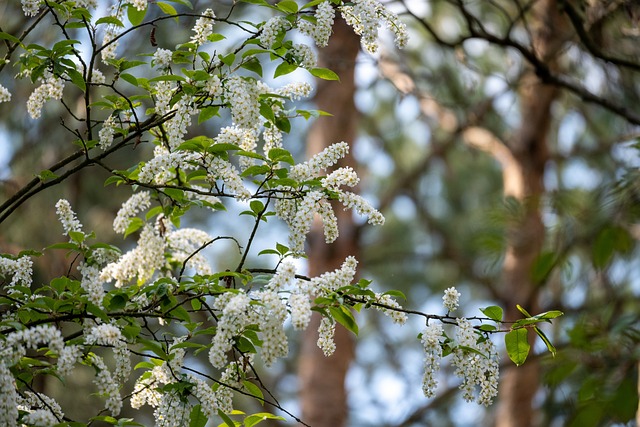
[[524, 182], [322, 379]]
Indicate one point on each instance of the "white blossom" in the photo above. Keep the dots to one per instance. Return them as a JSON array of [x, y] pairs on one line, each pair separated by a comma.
[[140, 5], [8, 398], [305, 56], [51, 88], [107, 132], [477, 368], [451, 298], [162, 58], [360, 205], [67, 217], [366, 16], [396, 315], [300, 307], [21, 270], [31, 7], [97, 77], [203, 27], [271, 29], [320, 31], [242, 96], [326, 158], [107, 386], [326, 332], [431, 340], [5, 95], [137, 202], [91, 283]]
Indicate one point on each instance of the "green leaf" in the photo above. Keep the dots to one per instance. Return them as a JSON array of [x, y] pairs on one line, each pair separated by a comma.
[[253, 65], [197, 418], [284, 68], [396, 294], [77, 79], [111, 20], [493, 312], [7, 36], [546, 341], [282, 248], [208, 112], [46, 175], [280, 155], [135, 16], [129, 79], [77, 236], [343, 316], [522, 310], [167, 8], [253, 389], [517, 345], [228, 421], [254, 419], [324, 74], [288, 6]]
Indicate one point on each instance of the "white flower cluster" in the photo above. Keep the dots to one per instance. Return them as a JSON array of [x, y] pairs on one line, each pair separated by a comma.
[[68, 357], [42, 410], [476, 370], [172, 411], [362, 206], [272, 314], [51, 88], [393, 312], [5, 95], [141, 262], [271, 29], [295, 90], [451, 298], [162, 58], [319, 162], [177, 126], [222, 169], [341, 176], [242, 95], [162, 167], [67, 217], [207, 397], [91, 283], [21, 270], [109, 41], [246, 139], [140, 5], [432, 340], [214, 86], [284, 275], [8, 397], [300, 307], [365, 17], [300, 225], [305, 56], [31, 7], [139, 201], [234, 318], [203, 27], [107, 386], [326, 331], [272, 139], [320, 30], [107, 132], [97, 77], [330, 281], [184, 242], [17, 343]]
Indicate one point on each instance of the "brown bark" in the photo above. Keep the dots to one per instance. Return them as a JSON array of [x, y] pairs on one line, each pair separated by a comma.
[[322, 391], [523, 176]]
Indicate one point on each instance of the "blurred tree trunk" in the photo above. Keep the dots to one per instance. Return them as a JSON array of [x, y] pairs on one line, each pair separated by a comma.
[[322, 389], [523, 180]]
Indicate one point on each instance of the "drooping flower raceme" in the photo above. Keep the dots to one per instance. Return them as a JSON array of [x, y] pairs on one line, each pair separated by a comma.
[[320, 30], [51, 88], [137, 202], [366, 16], [451, 298], [203, 27], [477, 369], [431, 340], [5, 95]]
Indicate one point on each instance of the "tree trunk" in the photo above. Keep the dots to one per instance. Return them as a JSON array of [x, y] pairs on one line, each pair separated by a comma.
[[524, 181], [322, 389]]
